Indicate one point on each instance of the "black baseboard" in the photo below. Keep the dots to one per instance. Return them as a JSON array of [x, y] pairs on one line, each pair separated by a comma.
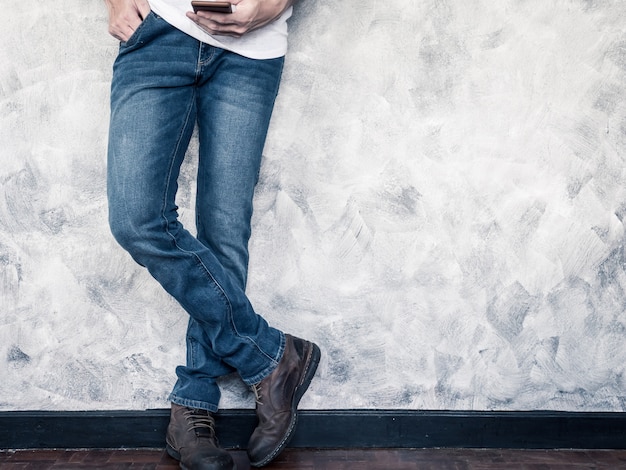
[[327, 429]]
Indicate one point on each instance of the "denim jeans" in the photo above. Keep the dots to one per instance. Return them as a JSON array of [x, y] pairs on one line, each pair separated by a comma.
[[164, 84]]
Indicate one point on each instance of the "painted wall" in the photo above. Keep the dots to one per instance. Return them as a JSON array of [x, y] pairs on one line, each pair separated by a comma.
[[441, 208]]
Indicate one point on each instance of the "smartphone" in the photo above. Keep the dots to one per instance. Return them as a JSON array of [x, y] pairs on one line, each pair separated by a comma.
[[212, 5]]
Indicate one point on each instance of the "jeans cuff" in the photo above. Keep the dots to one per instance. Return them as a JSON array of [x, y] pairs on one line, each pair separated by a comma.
[[196, 404]]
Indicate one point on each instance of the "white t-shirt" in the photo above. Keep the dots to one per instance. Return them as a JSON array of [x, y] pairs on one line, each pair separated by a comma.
[[268, 42]]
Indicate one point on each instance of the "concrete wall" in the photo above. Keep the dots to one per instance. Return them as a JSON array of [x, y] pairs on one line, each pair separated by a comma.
[[441, 208]]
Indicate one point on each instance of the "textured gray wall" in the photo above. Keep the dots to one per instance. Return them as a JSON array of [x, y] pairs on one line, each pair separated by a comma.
[[441, 208]]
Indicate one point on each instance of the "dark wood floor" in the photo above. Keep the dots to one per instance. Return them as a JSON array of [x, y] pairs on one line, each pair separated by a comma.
[[311, 459]]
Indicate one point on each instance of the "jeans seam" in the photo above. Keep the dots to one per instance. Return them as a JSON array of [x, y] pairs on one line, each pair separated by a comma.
[[191, 355]]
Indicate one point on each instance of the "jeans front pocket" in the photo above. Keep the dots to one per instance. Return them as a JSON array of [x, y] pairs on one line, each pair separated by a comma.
[[138, 34]]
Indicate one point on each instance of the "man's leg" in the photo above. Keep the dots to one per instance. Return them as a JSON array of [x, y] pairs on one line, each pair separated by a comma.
[[151, 125], [152, 117], [234, 110], [235, 98]]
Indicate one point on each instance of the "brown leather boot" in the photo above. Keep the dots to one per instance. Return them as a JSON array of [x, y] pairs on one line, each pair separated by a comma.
[[191, 440], [278, 396]]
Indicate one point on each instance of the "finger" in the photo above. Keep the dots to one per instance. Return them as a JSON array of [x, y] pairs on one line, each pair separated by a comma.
[[205, 17], [219, 24], [121, 33], [144, 8], [211, 25]]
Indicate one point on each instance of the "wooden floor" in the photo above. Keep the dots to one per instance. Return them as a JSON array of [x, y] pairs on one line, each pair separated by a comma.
[[310, 459]]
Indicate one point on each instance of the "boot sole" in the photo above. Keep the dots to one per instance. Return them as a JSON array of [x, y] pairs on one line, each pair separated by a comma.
[[172, 453], [176, 456], [309, 373]]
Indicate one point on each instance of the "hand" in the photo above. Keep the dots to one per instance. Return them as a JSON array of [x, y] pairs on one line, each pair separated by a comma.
[[125, 16], [248, 16]]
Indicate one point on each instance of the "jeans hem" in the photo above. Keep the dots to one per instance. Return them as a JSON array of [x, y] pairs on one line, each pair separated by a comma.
[[196, 404]]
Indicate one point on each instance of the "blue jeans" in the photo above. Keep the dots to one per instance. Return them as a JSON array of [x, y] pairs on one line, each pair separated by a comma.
[[164, 83]]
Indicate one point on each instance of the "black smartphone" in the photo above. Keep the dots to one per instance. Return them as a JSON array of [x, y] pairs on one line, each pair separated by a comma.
[[211, 5]]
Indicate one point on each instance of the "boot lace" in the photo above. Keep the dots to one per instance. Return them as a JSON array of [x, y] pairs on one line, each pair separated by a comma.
[[201, 422], [256, 389]]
